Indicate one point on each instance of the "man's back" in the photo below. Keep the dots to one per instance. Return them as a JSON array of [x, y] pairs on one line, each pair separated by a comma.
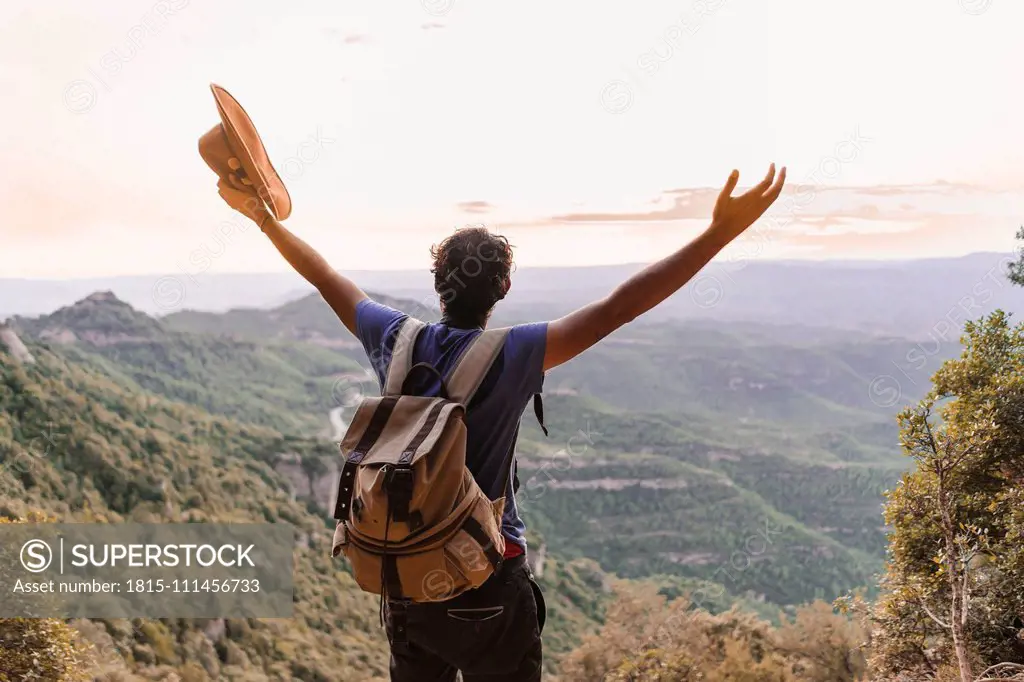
[[493, 632], [492, 419]]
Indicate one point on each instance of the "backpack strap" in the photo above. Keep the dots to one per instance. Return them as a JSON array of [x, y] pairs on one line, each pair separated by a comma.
[[401, 355], [469, 372], [474, 363], [538, 411]]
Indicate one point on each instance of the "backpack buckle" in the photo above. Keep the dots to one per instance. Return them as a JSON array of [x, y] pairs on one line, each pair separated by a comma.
[[398, 480], [398, 483]]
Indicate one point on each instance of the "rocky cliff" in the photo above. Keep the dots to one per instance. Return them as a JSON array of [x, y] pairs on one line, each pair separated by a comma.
[[10, 341]]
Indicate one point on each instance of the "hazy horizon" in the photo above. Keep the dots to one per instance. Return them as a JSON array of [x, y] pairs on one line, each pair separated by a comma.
[[286, 270], [918, 298]]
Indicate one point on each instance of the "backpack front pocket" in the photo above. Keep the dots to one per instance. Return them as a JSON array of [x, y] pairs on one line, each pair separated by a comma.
[[478, 547]]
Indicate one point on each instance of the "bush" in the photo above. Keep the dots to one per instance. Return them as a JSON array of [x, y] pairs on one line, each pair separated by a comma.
[[645, 638], [40, 648]]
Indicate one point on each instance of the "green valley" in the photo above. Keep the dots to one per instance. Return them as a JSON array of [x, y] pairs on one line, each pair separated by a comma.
[[739, 464]]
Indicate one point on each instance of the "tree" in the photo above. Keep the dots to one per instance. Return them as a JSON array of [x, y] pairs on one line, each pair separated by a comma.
[[952, 587], [942, 455], [1016, 270]]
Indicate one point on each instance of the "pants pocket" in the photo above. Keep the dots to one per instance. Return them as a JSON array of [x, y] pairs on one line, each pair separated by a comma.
[[476, 615], [488, 631]]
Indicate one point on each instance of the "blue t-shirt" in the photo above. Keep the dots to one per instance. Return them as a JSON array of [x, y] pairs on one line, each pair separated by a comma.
[[492, 417]]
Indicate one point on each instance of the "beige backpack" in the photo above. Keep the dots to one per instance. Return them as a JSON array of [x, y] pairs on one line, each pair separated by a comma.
[[411, 519]]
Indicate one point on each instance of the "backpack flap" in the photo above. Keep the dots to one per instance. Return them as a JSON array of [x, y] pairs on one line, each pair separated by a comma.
[[385, 488], [415, 425]]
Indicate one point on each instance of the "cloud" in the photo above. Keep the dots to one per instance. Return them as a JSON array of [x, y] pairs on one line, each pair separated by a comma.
[[937, 235], [940, 187], [819, 205], [848, 221], [335, 34], [475, 207], [685, 203]]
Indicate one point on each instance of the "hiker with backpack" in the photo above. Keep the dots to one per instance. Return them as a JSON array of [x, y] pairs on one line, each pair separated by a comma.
[[426, 507]]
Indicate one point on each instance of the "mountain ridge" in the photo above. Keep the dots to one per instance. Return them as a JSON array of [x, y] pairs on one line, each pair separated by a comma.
[[693, 420], [908, 298]]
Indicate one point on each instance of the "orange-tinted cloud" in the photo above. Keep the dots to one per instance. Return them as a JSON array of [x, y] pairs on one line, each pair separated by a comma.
[[847, 202], [938, 234], [821, 206], [685, 203], [837, 221], [475, 207]]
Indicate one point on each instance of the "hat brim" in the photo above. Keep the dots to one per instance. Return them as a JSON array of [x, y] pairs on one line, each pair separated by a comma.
[[251, 154]]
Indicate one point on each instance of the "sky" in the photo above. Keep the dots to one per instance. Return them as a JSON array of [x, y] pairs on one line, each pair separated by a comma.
[[588, 133]]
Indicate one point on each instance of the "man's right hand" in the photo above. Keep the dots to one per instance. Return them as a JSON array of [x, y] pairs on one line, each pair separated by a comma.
[[736, 214], [245, 202]]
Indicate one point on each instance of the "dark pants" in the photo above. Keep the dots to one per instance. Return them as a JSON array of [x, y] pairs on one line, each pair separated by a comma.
[[491, 634]]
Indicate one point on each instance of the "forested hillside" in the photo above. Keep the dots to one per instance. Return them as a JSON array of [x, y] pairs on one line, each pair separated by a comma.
[[78, 447], [695, 438], [736, 466], [951, 607]]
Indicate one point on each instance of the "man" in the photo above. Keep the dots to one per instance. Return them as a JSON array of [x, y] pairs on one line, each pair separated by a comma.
[[493, 633]]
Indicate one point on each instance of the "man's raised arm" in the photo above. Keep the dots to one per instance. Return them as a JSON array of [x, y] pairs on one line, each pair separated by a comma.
[[340, 292], [569, 336]]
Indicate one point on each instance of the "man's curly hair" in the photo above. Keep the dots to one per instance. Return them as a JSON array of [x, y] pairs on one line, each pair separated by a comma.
[[470, 270]]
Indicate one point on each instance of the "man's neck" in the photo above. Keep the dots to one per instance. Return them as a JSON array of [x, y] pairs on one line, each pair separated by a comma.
[[462, 324]]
